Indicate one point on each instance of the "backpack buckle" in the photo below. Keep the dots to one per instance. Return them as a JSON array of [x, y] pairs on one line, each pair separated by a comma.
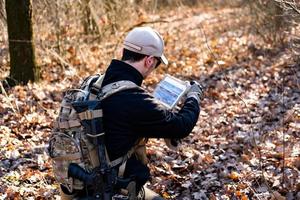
[[94, 90]]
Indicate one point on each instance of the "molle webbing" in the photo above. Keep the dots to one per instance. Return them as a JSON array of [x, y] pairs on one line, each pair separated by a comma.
[[67, 124]]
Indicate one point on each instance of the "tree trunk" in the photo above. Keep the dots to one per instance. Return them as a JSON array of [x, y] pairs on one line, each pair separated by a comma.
[[21, 48]]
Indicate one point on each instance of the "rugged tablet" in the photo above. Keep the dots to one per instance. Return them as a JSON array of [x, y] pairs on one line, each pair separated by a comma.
[[170, 90]]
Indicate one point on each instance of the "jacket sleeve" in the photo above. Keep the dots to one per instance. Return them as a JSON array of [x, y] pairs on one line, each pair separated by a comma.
[[153, 120]]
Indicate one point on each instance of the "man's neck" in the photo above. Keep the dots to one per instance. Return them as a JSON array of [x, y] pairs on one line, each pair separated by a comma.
[[137, 65]]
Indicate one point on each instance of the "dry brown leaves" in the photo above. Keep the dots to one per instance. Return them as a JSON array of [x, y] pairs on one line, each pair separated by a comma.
[[220, 158]]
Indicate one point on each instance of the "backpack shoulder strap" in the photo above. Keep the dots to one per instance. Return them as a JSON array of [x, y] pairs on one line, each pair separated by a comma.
[[115, 87], [99, 81], [99, 92], [89, 81], [109, 89], [123, 159], [96, 87]]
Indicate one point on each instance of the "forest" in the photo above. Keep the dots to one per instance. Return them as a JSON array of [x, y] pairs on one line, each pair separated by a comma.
[[246, 54]]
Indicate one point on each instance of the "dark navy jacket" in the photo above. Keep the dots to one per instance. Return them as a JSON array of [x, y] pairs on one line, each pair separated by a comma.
[[132, 114]]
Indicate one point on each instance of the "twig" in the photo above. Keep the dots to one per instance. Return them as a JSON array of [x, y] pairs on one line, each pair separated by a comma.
[[2, 15], [17, 163], [147, 22], [252, 189], [283, 137], [284, 120], [61, 60], [21, 161], [290, 5], [58, 26]]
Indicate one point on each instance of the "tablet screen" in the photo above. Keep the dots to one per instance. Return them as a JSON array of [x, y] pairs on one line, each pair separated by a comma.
[[169, 91]]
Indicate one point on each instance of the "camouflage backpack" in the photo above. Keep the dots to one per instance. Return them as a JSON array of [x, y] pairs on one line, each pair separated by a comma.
[[72, 136]]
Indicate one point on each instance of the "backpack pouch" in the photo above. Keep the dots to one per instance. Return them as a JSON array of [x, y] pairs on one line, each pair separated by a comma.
[[64, 150]]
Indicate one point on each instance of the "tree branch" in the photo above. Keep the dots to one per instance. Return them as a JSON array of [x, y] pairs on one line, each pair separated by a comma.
[[290, 5]]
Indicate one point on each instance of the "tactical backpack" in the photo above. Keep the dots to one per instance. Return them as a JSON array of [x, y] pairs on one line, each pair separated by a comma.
[[77, 138]]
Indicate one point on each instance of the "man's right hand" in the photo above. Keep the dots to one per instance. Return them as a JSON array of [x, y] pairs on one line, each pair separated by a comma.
[[195, 91]]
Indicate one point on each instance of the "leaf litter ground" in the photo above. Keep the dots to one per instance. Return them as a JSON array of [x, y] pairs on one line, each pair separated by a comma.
[[246, 142]]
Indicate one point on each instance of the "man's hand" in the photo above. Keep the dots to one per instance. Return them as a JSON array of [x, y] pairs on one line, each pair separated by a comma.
[[196, 91]]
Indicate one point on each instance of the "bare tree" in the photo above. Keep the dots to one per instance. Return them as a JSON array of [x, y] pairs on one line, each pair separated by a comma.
[[292, 11], [21, 48], [2, 9]]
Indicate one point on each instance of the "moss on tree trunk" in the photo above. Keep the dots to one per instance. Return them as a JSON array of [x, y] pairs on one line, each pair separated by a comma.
[[21, 48]]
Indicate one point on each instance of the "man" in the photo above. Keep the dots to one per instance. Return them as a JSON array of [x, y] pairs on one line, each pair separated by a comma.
[[134, 114]]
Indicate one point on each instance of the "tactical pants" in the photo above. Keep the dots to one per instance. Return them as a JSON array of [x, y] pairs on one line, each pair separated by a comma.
[[141, 173], [138, 171]]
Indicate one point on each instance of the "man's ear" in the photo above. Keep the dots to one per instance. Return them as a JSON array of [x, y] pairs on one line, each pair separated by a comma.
[[148, 61]]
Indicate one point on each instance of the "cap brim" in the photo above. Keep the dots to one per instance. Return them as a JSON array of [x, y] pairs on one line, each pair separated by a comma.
[[164, 59]]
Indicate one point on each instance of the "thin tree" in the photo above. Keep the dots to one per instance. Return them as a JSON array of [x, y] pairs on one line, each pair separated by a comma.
[[21, 47]]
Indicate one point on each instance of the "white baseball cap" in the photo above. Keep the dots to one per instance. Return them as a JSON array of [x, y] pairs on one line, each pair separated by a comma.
[[147, 41]]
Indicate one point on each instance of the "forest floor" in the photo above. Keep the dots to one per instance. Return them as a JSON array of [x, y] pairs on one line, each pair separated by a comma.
[[246, 144]]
